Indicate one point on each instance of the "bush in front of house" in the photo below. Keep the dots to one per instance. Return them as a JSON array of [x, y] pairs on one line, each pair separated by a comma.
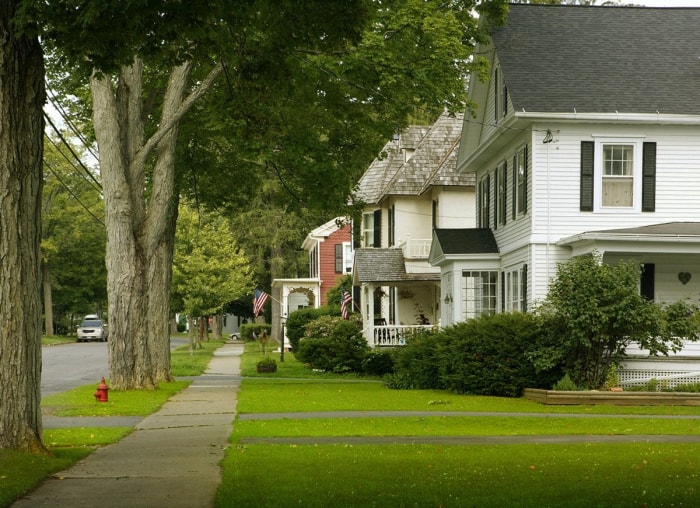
[[417, 364], [488, 355], [483, 356], [297, 321], [332, 344], [378, 362]]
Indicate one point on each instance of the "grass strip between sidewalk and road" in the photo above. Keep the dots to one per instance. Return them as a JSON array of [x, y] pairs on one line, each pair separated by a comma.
[[20, 472]]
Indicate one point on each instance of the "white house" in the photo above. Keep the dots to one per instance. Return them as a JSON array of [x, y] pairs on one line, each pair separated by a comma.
[[411, 189], [586, 138]]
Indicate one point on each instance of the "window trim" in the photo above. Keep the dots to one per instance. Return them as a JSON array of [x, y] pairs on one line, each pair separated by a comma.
[[636, 142]]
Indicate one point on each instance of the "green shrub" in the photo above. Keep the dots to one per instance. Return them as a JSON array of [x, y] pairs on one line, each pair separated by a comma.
[[483, 356], [378, 362], [297, 321], [399, 381], [687, 387], [249, 329], [487, 355], [333, 344], [565, 384]]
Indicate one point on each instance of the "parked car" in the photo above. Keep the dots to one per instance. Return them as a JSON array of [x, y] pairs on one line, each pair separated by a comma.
[[92, 329]]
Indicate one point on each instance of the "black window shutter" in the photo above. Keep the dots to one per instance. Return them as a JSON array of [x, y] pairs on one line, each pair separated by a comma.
[[514, 187], [497, 203], [525, 177], [648, 177], [377, 228], [523, 282], [504, 209], [356, 234], [338, 258], [495, 94], [503, 291], [586, 204], [646, 286], [487, 202]]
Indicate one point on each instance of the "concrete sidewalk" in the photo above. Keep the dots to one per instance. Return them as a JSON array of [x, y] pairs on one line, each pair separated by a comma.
[[172, 457]]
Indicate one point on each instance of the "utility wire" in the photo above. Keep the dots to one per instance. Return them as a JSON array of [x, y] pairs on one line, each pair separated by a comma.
[[70, 148], [70, 191]]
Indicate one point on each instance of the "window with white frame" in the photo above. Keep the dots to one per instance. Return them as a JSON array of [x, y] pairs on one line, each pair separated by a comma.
[[484, 202], [368, 229], [347, 256], [501, 193], [618, 175], [520, 181], [479, 293], [514, 291]]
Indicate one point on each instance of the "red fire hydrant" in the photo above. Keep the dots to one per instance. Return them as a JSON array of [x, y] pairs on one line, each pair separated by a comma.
[[101, 393]]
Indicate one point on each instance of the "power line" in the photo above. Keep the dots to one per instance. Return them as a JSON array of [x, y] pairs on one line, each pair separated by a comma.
[[70, 191]]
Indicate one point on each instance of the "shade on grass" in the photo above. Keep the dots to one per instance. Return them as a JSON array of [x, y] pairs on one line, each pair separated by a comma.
[[458, 476]]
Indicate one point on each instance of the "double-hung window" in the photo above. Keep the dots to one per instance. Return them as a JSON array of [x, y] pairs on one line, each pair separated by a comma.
[[618, 174]]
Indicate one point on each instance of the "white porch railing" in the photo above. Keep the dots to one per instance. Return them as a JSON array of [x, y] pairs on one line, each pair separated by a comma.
[[416, 248], [395, 335]]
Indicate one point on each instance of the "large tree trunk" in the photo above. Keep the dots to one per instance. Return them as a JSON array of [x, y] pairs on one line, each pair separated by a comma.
[[48, 299], [140, 226], [21, 153]]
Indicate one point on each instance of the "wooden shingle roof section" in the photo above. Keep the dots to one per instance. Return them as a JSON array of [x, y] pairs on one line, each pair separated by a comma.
[[373, 182], [580, 59], [384, 265], [433, 162]]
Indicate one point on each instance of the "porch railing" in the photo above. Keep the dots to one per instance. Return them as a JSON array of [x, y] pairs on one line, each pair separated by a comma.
[[395, 335], [416, 248]]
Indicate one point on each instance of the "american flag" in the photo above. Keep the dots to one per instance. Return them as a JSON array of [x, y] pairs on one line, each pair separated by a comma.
[[259, 301], [345, 303]]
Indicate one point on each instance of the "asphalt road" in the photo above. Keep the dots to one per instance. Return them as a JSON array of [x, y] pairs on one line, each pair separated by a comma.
[[67, 366]]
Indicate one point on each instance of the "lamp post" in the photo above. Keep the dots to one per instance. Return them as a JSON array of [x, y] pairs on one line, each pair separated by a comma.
[[283, 321]]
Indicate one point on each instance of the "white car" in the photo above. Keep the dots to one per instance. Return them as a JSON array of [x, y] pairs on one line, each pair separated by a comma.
[[92, 329]]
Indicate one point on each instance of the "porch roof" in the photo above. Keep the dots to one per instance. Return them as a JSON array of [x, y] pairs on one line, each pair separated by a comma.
[[385, 266], [461, 242], [675, 237]]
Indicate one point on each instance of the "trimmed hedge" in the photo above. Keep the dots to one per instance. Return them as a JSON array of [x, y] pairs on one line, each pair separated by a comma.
[[483, 356]]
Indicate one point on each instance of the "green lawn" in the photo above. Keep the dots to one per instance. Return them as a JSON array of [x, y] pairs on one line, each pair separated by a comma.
[[424, 475]]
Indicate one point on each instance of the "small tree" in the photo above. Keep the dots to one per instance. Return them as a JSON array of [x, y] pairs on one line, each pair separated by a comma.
[[594, 311]]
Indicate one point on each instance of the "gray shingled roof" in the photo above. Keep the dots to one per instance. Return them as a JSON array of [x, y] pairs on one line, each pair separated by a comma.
[[466, 241], [384, 265], [665, 229], [432, 160], [557, 58], [373, 182]]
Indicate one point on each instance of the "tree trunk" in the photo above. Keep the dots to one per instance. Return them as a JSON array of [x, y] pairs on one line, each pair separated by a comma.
[[217, 326], [21, 152], [140, 227], [48, 300]]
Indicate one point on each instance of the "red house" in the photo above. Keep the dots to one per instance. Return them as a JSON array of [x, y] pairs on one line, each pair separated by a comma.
[[330, 254]]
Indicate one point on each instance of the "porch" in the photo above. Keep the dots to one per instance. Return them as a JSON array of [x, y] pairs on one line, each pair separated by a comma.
[[394, 335]]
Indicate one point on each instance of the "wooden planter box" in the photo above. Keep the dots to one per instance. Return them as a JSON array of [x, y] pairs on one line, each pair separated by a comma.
[[556, 397], [266, 368]]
